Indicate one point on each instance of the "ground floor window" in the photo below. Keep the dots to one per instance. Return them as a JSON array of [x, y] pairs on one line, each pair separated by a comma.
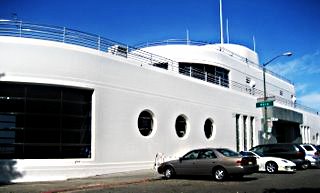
[[209, 128], [145, 123], [44, 121], [237, 132], [181, 126]]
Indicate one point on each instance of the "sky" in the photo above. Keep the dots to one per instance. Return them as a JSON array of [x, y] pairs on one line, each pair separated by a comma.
[[276, 25]]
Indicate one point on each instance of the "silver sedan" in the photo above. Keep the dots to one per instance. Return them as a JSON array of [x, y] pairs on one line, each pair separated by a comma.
[[218, 162]]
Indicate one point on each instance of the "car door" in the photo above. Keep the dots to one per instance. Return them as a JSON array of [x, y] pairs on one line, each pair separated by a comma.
[[186, 164], [205, 162]]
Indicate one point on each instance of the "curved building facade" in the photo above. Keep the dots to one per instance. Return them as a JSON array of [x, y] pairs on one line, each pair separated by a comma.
[[75, 104]]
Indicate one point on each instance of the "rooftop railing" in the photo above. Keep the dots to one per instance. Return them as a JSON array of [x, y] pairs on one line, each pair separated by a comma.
[[21, 29], [70, 36], [219, 48]]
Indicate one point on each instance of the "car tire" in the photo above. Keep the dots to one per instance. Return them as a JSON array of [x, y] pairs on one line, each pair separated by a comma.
[[168, 172], [271, 167], [306, 165], [219, 174]]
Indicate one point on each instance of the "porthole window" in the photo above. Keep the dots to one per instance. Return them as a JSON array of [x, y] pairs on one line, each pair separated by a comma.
[[145, 123], [209, 129], [181, 126]]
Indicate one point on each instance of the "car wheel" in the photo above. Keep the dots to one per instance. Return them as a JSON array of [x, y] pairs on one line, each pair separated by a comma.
[[271, 167], [219, 174], [305, 166], [168, 173]]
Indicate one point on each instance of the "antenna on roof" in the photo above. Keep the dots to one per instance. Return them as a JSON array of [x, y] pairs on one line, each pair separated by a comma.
[[228, 38], [254, 43], [221, 23], [188, 39]]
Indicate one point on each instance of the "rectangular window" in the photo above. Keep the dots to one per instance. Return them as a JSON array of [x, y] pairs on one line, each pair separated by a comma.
[[209, 73], [44, 121], [245, 142], [251, 131], [237, 132], [248, 79]]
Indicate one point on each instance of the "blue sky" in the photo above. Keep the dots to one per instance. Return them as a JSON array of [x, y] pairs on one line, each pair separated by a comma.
[[277, 25]]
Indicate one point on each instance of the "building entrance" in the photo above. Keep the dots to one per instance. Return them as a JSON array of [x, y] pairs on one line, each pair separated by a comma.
[[285, 125], [286, 132]]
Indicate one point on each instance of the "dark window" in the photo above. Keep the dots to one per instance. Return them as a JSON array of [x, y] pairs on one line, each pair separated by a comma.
[[208, 128], [163, 65], [191, 155], [228, 153], [181, 126], [145, 123], [209, 73], [44, 121], [238, 132], [308, 147], [207, 154], [281, 93]]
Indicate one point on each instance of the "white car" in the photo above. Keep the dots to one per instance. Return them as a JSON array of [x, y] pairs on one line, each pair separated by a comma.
[[312, 155], [271, 164]]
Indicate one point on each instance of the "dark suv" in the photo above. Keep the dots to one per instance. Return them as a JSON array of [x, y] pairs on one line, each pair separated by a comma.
[[289, 151]]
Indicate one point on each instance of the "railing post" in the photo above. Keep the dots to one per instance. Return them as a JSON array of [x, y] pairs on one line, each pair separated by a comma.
[[99, 43], [64, 34], [20, 29]]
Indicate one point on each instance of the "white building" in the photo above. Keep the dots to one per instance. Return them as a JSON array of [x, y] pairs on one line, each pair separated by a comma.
[[76, 105]]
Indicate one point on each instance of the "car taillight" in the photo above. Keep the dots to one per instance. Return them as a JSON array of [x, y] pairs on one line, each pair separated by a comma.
[[317, 154], [239, 162], [300, 154], [246, 161]]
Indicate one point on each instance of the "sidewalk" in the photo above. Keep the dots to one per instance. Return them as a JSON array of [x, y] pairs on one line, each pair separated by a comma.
[[74, 185]]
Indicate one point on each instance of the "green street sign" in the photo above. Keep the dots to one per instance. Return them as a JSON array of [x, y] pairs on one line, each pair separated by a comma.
[[264, 104]]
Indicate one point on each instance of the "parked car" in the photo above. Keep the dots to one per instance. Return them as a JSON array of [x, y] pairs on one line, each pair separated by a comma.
[[271, 164], [312, 155], [289, 151], [218, 162]]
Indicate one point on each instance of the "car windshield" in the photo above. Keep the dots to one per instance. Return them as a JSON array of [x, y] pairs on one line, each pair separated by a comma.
[[228, 153]]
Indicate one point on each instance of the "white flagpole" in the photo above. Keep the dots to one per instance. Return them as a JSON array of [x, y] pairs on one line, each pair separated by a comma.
[[228, 38], [254, 43], [221, 23]]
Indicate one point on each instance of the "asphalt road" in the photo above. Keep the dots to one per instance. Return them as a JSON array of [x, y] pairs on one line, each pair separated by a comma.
[[307, 181]]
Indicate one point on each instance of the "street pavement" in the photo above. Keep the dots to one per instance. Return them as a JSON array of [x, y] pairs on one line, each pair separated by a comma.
[[81, 184], [148, 181]]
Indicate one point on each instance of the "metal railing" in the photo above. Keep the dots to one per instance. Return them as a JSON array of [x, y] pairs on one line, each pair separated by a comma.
[[21, 29], [69, 36], [219, 48]]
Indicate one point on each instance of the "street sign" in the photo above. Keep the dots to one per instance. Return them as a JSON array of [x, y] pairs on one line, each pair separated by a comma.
[[264, 104]]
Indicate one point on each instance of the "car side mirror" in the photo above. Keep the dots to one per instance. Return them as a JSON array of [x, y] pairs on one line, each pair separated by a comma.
[[180, 159]]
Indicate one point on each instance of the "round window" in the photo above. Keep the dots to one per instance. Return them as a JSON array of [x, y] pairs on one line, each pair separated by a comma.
[[181, 126], [145, 123], [209, 129]]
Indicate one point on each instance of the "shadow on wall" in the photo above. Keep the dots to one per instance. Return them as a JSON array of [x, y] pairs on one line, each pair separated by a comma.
[[8, 172]]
